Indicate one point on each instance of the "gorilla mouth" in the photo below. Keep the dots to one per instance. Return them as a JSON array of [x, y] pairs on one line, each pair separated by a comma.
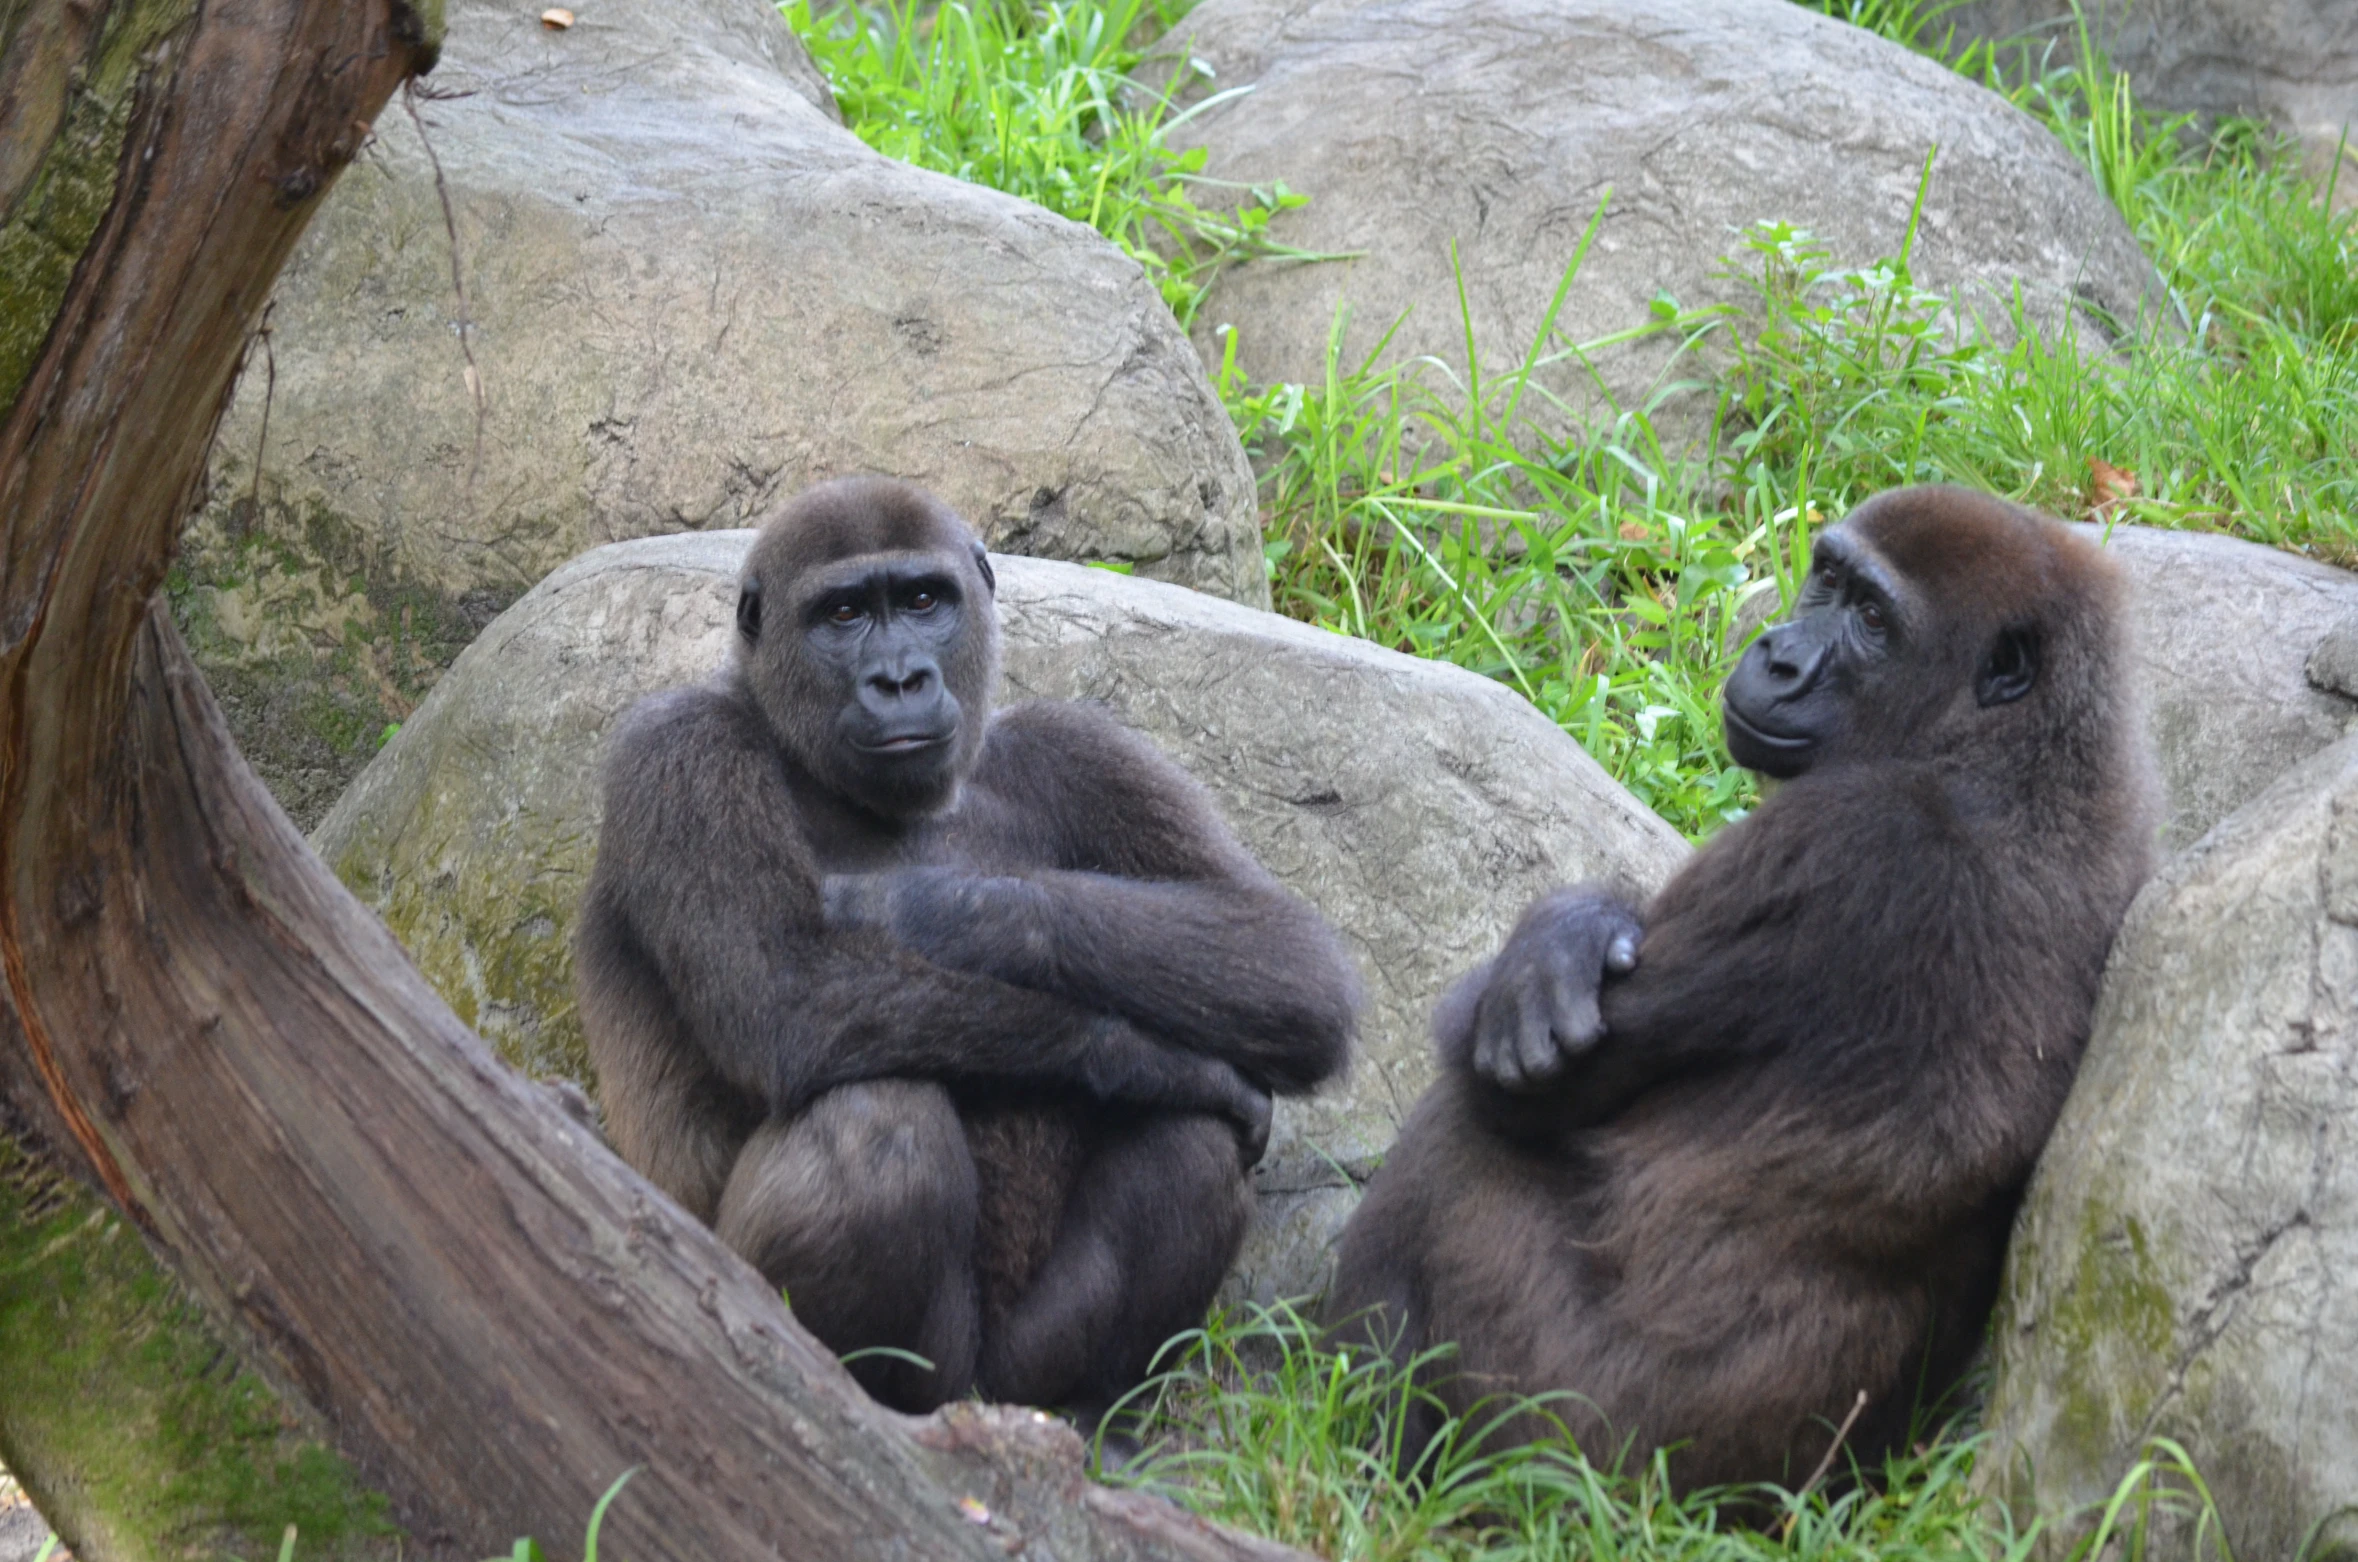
[[1759, 748], [1763, 735], [904, 742]]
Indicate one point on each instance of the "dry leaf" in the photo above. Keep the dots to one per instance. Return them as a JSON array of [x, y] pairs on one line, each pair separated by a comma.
[[2109, 487], [1634, 531], [556, 18]]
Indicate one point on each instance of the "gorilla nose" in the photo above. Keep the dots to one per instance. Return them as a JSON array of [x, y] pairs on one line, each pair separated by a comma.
[[901, 683], [1789, 662]]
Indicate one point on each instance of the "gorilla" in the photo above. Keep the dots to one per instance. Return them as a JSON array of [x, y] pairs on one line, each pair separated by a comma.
[[960, 1026], [1723, 1173]]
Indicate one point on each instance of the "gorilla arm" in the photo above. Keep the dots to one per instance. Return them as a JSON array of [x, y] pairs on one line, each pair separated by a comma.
[[703, 870], [1718, 986], [1155, 912]]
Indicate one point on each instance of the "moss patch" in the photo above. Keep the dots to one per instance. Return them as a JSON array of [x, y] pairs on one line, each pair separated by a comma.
[[499, 953], [311, 640], [133, 1428], [2113, 1326]]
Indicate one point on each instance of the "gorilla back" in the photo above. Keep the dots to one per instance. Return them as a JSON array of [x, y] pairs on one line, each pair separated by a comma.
[[960, 1027], [1722, 1167]]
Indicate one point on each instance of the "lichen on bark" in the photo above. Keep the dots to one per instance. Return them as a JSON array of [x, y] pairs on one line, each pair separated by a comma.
[[71, 96]]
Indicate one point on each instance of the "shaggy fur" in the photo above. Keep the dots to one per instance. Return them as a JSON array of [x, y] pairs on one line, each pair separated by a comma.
[[1779, 1167], [960, 1027]]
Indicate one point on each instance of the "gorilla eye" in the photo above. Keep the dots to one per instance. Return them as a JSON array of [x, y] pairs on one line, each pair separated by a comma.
[[845, 613], [1871, 616], [923, 602]]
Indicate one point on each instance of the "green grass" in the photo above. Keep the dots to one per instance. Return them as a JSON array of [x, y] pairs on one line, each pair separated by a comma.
[[1256, 1424], [1032, 100]]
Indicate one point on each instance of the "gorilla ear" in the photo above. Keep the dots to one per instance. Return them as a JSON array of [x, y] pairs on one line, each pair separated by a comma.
[[749, 610], [982, 562], [2011, 668]]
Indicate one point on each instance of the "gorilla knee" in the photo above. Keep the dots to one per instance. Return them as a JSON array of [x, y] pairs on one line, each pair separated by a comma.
[[1156, 1220], [862, 1209]]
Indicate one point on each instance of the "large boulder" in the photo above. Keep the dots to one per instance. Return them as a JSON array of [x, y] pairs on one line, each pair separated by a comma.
[[1498, 125], [2294, 62], [688, 291], [2183, 1264], [2230, 635], [1418, 805]]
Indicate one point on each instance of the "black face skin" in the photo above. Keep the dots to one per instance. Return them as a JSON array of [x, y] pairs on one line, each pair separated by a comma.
[[1710, 1168], [961, 1027], [883, 629], [1844, 672]]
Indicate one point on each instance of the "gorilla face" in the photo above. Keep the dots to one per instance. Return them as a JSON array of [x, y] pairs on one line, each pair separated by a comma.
[[1788, 704], [1868, 658], [881, 630], [866, 636]]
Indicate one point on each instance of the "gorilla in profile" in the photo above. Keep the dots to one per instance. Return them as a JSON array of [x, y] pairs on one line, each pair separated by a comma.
[[960, 1026], [1714, 1172]]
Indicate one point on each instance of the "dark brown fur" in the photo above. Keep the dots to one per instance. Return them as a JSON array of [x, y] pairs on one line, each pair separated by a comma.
[[965, 1040], [1786, 1172]]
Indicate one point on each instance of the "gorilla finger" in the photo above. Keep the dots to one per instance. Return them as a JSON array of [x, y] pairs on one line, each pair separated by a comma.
[[1494, 1032], [1535, 1042], [1456, 1027], [1572, 1010], [1621, 955], [1252, 1127]]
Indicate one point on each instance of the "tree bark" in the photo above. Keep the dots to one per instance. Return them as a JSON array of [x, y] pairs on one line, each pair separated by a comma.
[[484, 1310]]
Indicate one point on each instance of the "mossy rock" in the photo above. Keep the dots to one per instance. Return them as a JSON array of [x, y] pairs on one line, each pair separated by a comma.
[[136, 1431], [2181, 1269]]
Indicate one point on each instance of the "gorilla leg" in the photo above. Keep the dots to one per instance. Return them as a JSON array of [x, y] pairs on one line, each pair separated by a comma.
[[862, 1208], [1148, 1234]]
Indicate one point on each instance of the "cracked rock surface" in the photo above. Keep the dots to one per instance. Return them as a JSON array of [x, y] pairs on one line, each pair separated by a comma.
[[1499, 124], [690, 292], [1418, 805], [2187, 1261], [2293, 62]]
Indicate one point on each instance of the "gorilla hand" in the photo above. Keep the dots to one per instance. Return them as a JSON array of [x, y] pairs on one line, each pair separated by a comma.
[[1129, 1065], [960, 921], [1517, 1021]]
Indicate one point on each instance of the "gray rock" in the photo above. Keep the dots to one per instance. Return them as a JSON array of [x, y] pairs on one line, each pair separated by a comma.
[[1500, 123], [2182, 1266], [1418, 805], [691, 292], [2294, 62], [2333, 666], [23, 1532], [2228, 631]]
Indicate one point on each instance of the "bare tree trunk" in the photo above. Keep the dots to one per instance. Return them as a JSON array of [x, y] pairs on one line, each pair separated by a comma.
[[485, 1311]]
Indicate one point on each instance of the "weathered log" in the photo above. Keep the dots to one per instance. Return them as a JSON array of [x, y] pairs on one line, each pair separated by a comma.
[[486, 1312]]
